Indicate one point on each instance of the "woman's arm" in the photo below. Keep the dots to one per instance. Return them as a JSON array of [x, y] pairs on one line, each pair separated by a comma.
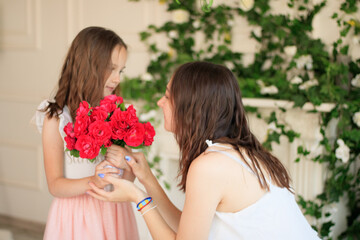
[[53, 149], [204, 193], [167, 209], [139, 166]]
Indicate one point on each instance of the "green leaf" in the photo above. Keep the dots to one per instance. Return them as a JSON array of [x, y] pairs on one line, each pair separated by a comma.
[[75, 153], [344, 50], [299, 100], [122, 107], [167, 185], [103, 150]]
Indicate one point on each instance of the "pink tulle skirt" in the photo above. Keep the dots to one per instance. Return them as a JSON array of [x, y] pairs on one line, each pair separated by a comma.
[[85, 218]]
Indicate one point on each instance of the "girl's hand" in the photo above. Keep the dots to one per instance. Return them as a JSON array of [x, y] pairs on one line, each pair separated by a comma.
[[100, 172], [115, 154], [124, 190]]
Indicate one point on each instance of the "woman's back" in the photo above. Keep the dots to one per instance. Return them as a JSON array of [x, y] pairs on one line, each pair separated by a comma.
[[248, 211]]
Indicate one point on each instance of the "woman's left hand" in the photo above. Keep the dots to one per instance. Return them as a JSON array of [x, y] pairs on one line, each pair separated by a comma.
[[124, 191]]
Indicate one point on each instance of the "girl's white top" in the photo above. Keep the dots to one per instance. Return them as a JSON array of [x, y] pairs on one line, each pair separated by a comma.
[[74, 168], [274, 216]]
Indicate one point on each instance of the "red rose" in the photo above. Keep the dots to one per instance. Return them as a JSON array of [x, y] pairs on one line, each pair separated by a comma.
[[118, 119], [100, 131], [87, 147], [109, 103], [118, 124], [119, 133], [113, 99], [135, 135], [69, 130], [108, 107], [130, 116], [148, 134], [98, 114], [70, 142], [108, 143], [84, 108], [81, 125]]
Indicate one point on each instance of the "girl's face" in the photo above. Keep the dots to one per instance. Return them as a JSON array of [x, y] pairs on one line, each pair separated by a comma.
[[166, 106], [118, 60]]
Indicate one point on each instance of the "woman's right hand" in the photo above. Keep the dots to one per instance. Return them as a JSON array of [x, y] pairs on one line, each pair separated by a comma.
[[100, 172]]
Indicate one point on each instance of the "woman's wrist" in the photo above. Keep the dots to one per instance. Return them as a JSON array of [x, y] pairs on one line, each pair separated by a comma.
[[148, 181], [139, 196]]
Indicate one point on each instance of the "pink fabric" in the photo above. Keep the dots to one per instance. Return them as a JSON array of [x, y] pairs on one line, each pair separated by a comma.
[[85, 218]]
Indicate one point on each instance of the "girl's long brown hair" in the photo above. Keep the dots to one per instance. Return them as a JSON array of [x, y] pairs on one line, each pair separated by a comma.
[[85, 69], [207, 105]]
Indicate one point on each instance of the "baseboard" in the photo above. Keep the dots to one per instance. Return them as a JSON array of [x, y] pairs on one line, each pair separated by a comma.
[[21, 223]]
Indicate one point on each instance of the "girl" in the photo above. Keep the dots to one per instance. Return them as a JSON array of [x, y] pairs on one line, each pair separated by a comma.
[[91, 70], [234, 188]]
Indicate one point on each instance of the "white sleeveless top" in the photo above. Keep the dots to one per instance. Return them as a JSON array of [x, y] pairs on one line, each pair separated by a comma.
[[275, 216], [74, 167]]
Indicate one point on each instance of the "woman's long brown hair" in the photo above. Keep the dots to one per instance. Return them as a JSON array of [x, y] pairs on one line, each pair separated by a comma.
[[85, 69], [207, 105]]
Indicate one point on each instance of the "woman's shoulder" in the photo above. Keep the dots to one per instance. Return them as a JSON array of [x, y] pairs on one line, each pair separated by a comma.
[[211, 164]]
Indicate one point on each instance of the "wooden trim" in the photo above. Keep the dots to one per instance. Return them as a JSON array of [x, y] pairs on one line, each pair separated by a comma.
[[9, 221]]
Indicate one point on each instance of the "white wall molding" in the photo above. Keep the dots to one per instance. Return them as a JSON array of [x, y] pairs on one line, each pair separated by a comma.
[[11, 174], [21, 25], [271, 103], [74, 18], [20, 99]]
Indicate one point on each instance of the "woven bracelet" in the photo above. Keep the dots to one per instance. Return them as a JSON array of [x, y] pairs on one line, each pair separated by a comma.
[[143, 203]]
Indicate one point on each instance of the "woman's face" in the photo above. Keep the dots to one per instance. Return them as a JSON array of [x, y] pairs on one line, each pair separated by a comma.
[[118, 60], [166, 106]]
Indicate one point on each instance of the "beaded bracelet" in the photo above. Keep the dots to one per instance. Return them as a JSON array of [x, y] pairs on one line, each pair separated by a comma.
[[143, 203]]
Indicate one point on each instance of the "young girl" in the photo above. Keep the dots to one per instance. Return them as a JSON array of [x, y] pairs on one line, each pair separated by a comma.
[[234, 188], [91, 70]]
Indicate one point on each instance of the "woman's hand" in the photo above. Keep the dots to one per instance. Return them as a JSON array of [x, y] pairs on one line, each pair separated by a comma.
[[124, 191], [100, 172], [139, 167]]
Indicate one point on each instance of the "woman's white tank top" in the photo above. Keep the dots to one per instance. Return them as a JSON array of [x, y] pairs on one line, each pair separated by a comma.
[[275, 216]]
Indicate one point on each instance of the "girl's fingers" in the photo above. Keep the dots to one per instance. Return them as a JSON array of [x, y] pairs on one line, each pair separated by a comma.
[[114, 152], [108, 170], [111, 179], [103, 164], [98, 191], [95, 195]]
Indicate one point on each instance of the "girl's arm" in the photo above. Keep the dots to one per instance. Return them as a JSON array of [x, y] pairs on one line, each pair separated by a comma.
[[53, 149], [204, 193]]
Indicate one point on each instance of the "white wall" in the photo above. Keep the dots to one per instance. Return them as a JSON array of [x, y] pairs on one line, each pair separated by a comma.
[[34, 38]]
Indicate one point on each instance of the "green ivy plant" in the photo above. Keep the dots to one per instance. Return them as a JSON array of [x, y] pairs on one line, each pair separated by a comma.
[[289, 65]]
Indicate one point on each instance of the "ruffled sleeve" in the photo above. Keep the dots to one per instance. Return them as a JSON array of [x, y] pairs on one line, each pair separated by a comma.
[[64, 117], [40, 115]]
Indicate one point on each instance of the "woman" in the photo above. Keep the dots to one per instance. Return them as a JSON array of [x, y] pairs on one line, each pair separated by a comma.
[[234, 188]]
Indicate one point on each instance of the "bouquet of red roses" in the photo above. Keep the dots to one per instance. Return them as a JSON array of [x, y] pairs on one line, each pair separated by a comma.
[[97, 128]]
